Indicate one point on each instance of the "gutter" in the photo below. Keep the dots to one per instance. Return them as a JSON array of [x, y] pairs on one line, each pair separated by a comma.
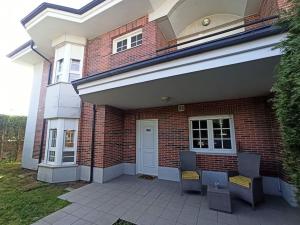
[[93, 144], [49, 81]]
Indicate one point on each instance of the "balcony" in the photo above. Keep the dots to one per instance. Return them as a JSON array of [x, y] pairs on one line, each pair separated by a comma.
[[222, 66], [61, 102]]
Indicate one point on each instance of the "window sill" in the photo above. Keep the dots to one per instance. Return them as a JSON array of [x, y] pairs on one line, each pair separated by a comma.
[[212, 152], [57, 166], [114, 53]]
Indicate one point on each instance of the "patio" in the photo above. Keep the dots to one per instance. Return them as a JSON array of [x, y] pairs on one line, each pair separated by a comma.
[[158, 202]]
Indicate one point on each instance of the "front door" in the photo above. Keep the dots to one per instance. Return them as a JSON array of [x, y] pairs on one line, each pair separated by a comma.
[[147, 147]]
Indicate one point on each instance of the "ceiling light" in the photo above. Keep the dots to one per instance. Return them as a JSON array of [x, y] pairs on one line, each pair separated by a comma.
[[205, 22]]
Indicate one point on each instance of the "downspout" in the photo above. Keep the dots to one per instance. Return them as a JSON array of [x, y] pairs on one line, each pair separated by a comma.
[[49, 81], [93, 145]]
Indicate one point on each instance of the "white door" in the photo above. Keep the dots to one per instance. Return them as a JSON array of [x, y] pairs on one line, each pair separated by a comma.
[[147, 147]]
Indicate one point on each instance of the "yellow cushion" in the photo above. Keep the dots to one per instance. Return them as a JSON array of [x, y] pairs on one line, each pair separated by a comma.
[[241, 180], [190, 175]]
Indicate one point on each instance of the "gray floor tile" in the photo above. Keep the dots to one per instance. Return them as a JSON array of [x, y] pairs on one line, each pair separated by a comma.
[[40, 223], [68, 220], [82, 222], [147, 219], [54, 217]]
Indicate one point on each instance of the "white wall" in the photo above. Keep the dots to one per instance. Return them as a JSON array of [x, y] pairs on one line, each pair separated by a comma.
[[216, 20], [62, 102], [27, 161]]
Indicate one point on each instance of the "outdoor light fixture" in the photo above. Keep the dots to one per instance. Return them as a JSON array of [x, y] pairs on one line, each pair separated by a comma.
[[165, 99], [205, 22]]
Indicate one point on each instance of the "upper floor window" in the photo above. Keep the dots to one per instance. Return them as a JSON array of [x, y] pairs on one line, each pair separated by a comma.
[[74, 70], [59, 70], [128, 41], [214, 134], [75, 66]]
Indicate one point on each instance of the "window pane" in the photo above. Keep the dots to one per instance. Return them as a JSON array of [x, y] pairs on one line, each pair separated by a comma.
[[68, 159], [216, 124], [217, 133], [225, 123], [226, 133], [196, 144], [53, 134], [75, 65], [68, 154], [196, 134], [227, 144], [69, 138], [204, 134], [218, 144], [204, 143], [136, 40], [195, 124], [51, 157], [203, 124]]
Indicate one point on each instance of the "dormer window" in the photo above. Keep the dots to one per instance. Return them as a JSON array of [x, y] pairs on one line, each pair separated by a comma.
[[128, 41], [59, 70]]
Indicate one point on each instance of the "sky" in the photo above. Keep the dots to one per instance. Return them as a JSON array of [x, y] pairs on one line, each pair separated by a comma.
[[15, 79]]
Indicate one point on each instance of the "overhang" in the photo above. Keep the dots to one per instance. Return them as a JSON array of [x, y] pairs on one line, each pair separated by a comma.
[[233, 67]]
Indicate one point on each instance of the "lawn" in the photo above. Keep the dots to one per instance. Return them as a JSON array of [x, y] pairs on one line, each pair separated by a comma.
[[23, 200]]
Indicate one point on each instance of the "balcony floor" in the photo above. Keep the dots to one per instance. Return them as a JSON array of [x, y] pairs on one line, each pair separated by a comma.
[[159, 202]]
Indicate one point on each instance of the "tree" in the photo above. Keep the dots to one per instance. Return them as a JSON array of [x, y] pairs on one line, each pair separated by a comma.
[[287, 93]]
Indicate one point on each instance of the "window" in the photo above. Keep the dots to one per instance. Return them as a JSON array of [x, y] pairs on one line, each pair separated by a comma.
[[52, 144], [51, 156], [121, 45], [69, 138], [59, 70], [212, 134], [68, 155], [53, 136], [75, 66], [128, 41], [136, 40]]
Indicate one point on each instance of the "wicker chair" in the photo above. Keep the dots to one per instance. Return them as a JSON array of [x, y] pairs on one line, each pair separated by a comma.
[[190, 175], [247, 184]]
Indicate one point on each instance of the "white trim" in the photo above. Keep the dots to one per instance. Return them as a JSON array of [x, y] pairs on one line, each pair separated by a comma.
[[128, 38], [59, 14], [210, 149], [138, 148]]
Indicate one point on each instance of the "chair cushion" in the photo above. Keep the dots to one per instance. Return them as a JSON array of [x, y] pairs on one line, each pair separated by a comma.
[[241, 180], [190, 175]]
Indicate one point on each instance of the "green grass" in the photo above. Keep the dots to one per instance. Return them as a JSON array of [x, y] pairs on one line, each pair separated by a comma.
[[23, 200]]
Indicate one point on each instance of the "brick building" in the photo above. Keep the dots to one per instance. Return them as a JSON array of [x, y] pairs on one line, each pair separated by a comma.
[[121, 87]]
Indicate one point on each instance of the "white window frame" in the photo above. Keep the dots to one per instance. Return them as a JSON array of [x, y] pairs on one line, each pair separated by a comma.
[[75, 71], [59, 74], [69, 149], [211, 149], [128, 38]]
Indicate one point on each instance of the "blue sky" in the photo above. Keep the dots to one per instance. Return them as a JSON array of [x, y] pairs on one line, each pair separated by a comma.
[[16, 80]]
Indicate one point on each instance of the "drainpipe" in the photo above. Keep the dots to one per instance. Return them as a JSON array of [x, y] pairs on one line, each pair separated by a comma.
[[49, 81], [93, 145]]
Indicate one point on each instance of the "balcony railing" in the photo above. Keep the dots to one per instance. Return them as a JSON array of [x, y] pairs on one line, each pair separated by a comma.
[[226, 30]]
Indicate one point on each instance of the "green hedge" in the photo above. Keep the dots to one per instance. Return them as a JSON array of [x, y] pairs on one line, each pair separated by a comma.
[[287, 93]]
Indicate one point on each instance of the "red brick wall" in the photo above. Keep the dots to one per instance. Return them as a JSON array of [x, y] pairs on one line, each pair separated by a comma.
[[99, 55], [109, 136], [254, 128], [40, 114]]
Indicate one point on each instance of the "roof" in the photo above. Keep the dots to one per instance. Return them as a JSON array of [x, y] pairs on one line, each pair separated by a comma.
[[19, 49], [201, 48], [47, 5]]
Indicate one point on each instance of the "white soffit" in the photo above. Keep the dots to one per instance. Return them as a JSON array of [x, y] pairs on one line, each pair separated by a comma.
[[181, 13], [109, 15]]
